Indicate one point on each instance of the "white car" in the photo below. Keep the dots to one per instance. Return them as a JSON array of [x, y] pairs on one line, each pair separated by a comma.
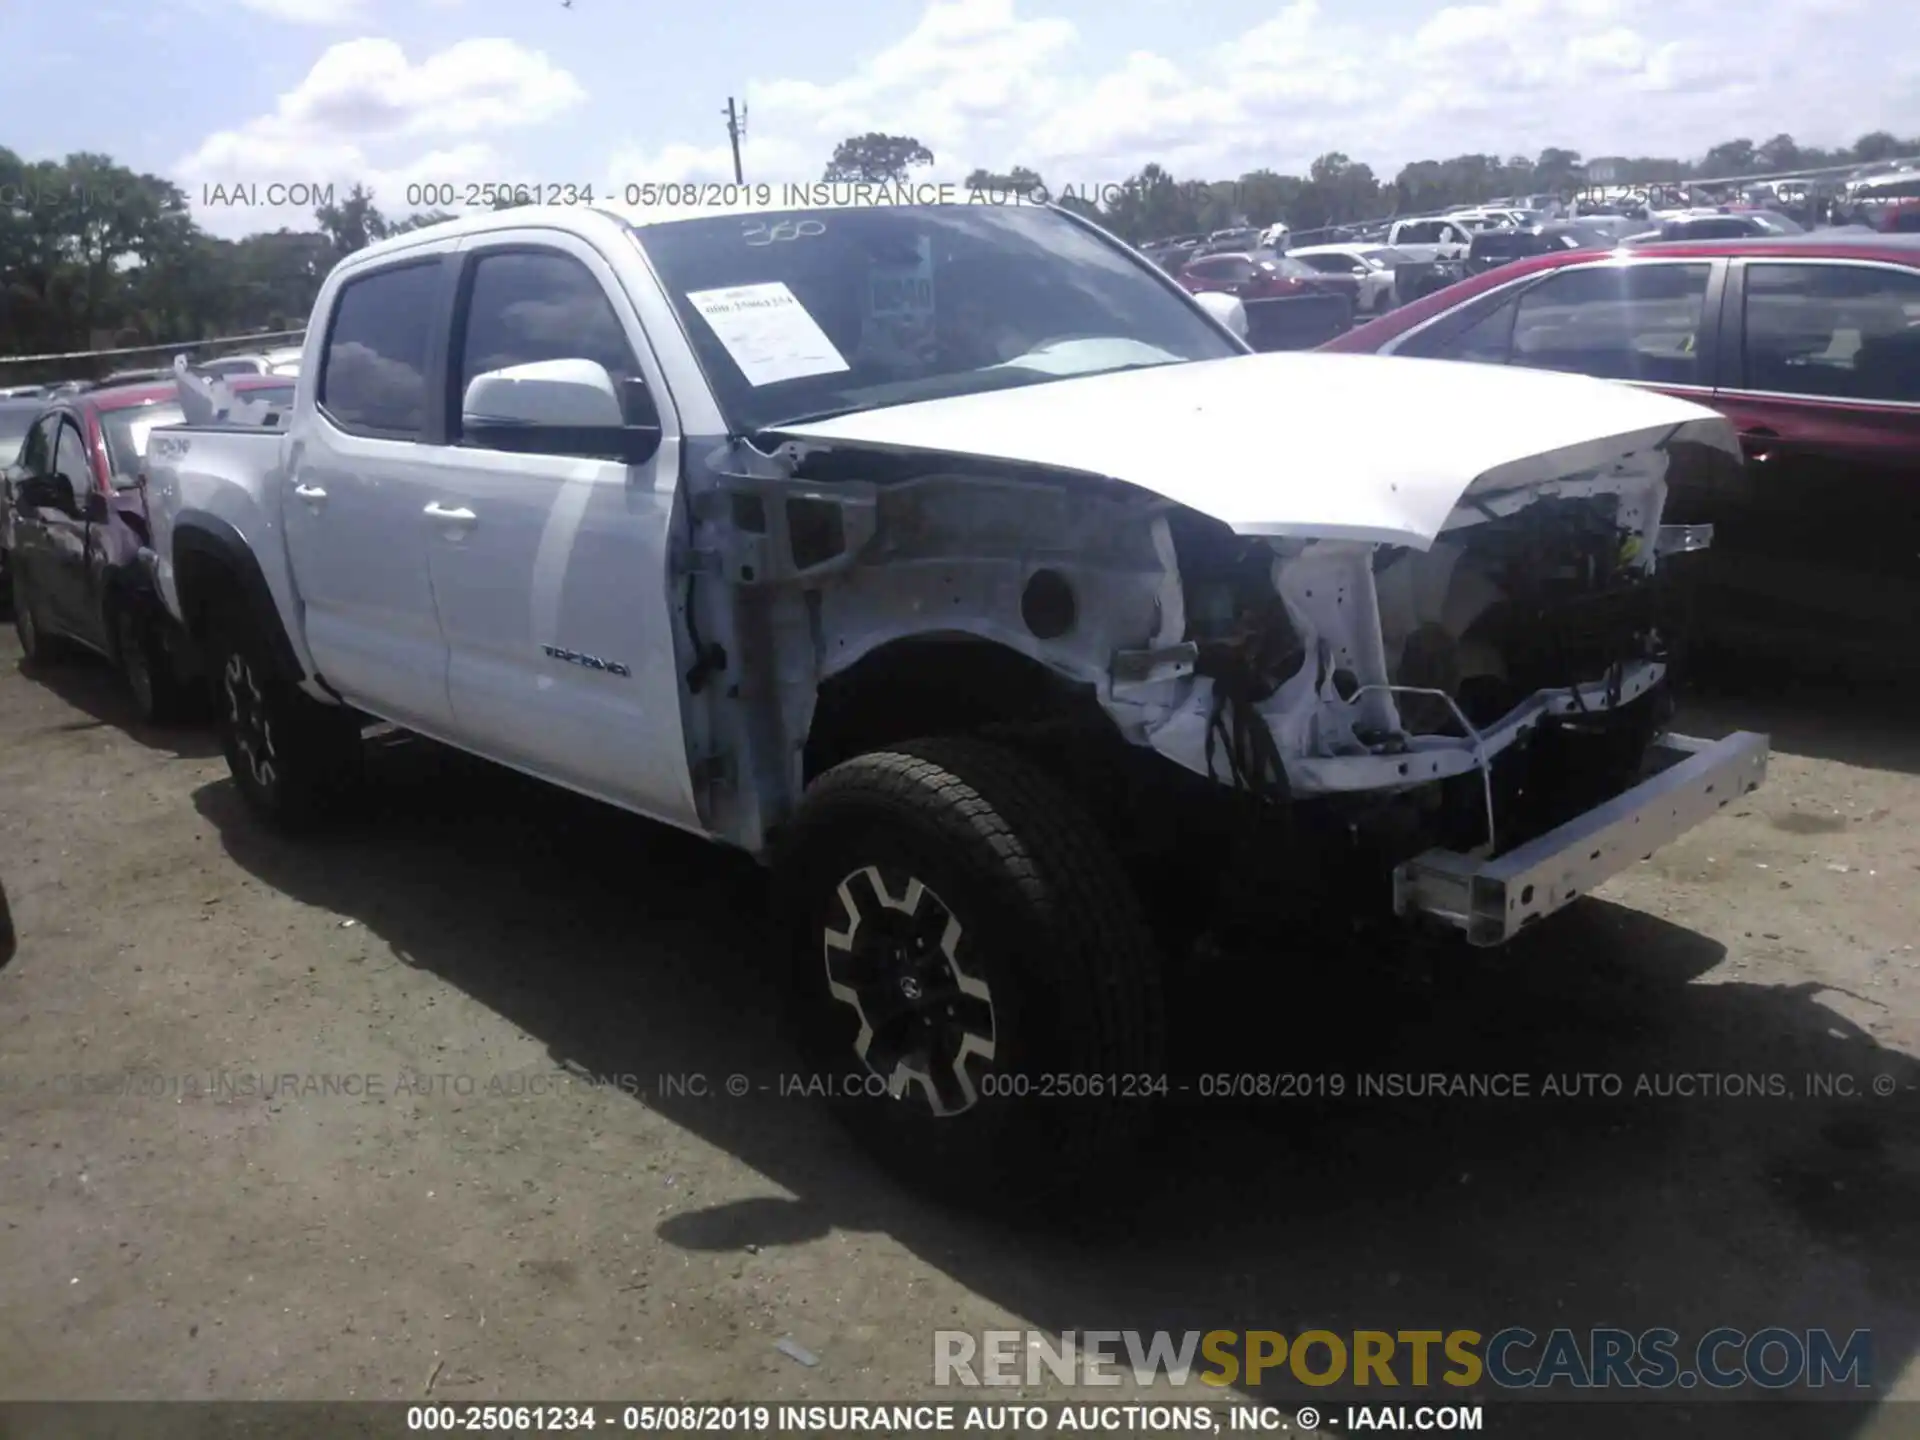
[[1430, 238], [996, 662], [1372, 265], [226, 366], [284, 361]]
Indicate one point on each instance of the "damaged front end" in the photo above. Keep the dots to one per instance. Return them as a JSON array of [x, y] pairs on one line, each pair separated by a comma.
[[1428, 661], [1447, 708]]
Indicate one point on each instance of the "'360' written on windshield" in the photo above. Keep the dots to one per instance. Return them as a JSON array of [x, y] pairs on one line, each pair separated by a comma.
[[801, 314]]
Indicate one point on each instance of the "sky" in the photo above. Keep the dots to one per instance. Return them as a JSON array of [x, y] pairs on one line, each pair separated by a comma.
[[618, 93]]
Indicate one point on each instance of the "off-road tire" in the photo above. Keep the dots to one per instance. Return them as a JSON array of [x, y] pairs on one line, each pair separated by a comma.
[[314, 760], [1049, 923]]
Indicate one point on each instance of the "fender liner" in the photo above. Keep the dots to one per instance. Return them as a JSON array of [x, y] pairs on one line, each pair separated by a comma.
[[216, 540]]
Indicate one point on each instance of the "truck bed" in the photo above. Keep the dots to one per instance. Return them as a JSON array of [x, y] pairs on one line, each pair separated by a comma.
[[223, 470]]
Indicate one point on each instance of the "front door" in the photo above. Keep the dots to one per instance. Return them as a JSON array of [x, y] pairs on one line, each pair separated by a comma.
[[549, 565], [356, 484], [1826, 395]]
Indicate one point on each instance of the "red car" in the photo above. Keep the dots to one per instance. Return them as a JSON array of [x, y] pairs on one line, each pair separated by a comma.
[[74, 519], [1263, 275], [1318, 305], [1809, 343]]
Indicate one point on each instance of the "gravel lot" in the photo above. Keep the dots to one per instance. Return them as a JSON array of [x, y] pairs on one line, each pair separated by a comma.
[[505, 1229]]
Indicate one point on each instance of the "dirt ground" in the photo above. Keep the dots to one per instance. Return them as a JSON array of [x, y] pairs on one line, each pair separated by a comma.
[[500, 1226]]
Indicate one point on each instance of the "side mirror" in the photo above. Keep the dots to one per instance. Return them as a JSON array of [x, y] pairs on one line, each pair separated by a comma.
[[1227, 309], [561, 407]]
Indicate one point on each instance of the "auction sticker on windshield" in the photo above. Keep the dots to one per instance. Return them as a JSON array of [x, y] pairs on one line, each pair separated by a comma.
[[768, 332]]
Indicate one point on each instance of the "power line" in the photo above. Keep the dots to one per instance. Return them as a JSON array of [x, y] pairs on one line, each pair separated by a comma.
[[150, 349]]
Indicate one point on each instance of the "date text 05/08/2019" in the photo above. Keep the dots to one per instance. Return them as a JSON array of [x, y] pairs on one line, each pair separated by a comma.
[[837, 1419], [456, 195]]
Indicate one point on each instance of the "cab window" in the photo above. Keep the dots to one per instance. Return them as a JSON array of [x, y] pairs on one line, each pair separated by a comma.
[[70, 460], [374, 369], [1618, 322]]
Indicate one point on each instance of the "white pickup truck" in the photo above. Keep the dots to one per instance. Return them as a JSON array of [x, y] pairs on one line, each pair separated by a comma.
[[960, 565], [1431, 238]]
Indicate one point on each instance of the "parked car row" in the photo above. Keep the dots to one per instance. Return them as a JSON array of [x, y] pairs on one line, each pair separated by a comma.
[[282, 361], [75, 530], [1007, 660]]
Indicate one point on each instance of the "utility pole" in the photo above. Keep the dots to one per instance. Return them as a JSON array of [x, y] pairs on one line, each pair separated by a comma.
[[736, 132]]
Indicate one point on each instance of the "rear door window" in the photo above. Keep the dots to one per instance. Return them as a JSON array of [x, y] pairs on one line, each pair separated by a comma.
[[36, 454], [70, 459], [373, 374], [1837, 331], [1619, 322]]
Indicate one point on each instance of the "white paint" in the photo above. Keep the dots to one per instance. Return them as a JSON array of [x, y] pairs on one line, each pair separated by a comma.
[[1295, 444], [546, 392]]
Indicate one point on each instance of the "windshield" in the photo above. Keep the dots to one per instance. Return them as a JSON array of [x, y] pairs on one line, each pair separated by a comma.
[[127, 430], [805, 313]]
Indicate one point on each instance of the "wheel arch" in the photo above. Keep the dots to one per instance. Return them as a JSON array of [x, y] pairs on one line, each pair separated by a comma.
[[215, 571], [941, 683]]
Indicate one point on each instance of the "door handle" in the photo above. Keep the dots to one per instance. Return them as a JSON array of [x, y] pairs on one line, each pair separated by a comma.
[[309, 492], [459, 516], [1759, 442]]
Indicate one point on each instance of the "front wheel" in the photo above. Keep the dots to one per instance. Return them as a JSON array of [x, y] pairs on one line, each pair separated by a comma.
[[36, 645], [295, 760], [977, 982]]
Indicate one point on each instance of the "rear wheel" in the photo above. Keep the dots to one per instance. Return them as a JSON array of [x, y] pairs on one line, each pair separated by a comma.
[[977, 983], [146, 669], [295, 760]]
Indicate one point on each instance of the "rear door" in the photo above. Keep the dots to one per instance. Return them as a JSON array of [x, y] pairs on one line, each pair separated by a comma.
[[356, 490], [1823, 381], [61, 579]]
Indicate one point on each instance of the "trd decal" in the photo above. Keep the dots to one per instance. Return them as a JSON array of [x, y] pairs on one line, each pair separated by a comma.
[[591, 662]]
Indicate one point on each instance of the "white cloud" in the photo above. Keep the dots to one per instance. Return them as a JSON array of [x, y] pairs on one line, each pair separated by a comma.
[[982, 82], [364, 114]]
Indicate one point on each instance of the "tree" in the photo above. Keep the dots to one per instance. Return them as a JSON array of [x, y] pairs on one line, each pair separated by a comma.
[[1876, 145], [1557, 170], [1779, 153], [1017, 181], [1731, 157], [1152, 203], [876, 157], [353, 224]]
